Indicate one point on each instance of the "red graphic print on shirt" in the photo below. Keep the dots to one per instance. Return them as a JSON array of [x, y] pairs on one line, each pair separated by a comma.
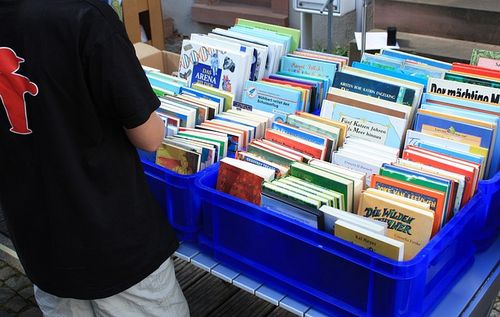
[[12, 89]]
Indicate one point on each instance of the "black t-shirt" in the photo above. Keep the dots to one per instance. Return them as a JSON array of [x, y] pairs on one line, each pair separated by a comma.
[[73, 191]]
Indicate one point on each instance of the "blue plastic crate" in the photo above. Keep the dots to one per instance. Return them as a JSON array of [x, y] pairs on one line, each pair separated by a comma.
[[174, 193], [330, 274], [489, 220]]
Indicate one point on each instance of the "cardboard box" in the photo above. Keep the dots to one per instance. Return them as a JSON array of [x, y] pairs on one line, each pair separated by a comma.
[[165, 61]]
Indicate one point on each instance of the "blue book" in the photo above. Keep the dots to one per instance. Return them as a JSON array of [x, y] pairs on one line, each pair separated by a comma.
[[393, 73], [374, 88], [280, 101], [454, 130], [316, 91], [164, 84], [367, 125], [309, 67], [419, 59]]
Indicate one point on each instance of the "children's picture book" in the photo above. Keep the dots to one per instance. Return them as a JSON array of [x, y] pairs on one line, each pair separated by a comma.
[[464, 90], [242, 179], [177, 159], [485, 58], [213, 66], [405, 222]]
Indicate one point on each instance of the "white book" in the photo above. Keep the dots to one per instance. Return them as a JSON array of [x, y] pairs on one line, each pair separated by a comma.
[[359, 164], [393, 152], [261, 54], [213, 66], [463, 90], [274, 52], [248, 52], [333, 214], [172, 109], [259, 127]]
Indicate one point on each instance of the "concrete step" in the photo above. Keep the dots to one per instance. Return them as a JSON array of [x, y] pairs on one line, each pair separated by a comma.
[[444, 49], [476, 21], [225, 13]]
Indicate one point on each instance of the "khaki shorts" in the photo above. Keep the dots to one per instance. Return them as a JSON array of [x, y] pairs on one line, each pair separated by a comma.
[[158, 295]]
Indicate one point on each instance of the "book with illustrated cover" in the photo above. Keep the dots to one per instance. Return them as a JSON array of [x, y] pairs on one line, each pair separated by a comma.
[[211, 66], [338, 198], [485, 58], [309, 136], [332, 214], [280, 101], [405, 222], [412, 57], [329, 122], [435, 199], [390, 73], [177, 159], [242, 179], [309, 67], [370, 240], [330, 131]]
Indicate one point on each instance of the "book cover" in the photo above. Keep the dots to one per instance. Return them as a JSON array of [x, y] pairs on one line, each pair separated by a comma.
[[391, 73], [309, 67], [176, 159], [408, 224], [367, 239], [454, 130], [412, 57], [205, 96], [280, 206], [475, 70], [485, 58], [240, 183], [305, 134], [435, 199], [464, 90], [329, 122], [210, 66], [367, 125], [472, 79], [280, 101], [331, 133], [374, 88]]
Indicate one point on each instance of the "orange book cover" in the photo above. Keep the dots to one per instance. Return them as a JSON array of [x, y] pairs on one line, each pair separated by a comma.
[[239, 183], [282, 138], [475, 70], [437, 162], [434, 198]]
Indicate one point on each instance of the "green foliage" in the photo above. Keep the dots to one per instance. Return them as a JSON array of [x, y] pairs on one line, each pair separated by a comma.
[[342, 50]]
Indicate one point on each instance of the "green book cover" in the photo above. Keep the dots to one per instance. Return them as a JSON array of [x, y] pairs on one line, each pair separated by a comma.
[[325, 179], [325, 199], [294, 33], [477, 54], [338, 198], [270, 156], [471, 80]]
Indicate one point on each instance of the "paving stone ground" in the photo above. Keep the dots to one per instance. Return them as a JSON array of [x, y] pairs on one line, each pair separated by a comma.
[[16, 294]]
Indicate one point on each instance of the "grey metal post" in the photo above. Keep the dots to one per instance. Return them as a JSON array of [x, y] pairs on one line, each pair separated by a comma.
[[363, 26], [330, 25], [306, 30]]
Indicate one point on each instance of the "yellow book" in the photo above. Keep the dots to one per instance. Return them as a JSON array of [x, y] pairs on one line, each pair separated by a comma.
[[406, 223], [370, 240]]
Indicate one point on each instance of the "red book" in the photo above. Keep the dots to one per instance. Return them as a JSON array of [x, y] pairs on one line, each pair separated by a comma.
[[295, 143], [475, 70], [447, 165], [239, 183]]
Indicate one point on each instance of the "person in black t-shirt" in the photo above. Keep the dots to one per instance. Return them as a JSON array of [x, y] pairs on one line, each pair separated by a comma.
[[74, 105]]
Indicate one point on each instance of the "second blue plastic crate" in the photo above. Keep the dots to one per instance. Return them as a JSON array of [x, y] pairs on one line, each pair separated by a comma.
[[328, 273]]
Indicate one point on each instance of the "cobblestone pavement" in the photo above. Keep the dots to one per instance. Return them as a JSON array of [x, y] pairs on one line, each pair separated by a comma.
[[16, 294]]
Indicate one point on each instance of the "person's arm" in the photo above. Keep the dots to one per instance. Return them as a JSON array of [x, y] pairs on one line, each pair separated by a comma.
[[149, 135]]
